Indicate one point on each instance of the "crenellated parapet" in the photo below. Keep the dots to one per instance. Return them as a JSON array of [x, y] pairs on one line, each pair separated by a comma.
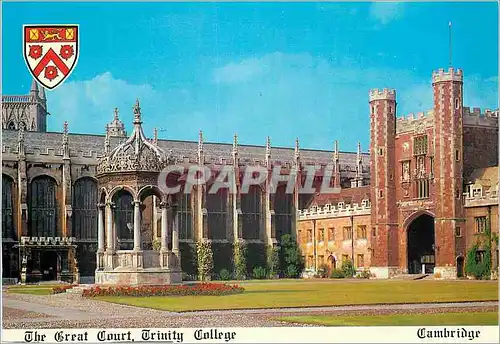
[[416, 123], [340, 210], [482, 199], [476, 117], [382, 94], [451, 75]]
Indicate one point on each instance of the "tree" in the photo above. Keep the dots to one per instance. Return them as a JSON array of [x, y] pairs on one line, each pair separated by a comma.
[[293, 263]]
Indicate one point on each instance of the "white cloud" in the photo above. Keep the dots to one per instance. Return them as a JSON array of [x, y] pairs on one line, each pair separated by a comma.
[[385, 12]]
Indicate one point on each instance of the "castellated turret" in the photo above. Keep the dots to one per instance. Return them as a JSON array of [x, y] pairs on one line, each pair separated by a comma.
[[451, 75]]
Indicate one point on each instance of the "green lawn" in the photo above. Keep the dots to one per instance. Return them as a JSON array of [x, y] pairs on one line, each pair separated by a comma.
[[319, 293], [435, 319], [31, 289]]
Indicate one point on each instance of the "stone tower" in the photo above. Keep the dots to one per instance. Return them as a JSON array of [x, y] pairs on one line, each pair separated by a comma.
[[116, 127], [383, 191], [448, 169], [29, 111]]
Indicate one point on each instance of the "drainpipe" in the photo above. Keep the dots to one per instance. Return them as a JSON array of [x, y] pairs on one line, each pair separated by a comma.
[[489, 237], [315, 257], [352, 240]]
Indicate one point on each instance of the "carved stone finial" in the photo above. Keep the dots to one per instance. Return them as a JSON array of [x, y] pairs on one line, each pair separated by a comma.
[[336, 151], [235, 144], [106, 140], [137, 112], [200, 140], [65, 140], [155, 136], [116, 115], [297, 149], [358, 152], [268, 146]]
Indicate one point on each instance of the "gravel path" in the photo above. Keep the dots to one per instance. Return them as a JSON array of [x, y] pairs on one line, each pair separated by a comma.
[[73, 311]]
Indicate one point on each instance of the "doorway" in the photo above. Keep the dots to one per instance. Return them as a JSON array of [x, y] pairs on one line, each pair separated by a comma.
[[421, 255], [49, 265]]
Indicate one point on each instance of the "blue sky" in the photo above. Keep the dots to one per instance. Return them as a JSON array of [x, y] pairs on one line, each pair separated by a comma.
[[280, 69]]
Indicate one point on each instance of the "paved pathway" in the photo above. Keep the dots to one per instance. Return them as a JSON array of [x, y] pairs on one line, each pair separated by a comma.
[[73, 311]]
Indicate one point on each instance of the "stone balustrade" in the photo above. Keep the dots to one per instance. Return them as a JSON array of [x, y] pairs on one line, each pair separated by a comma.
[[339, 210], [57, 241]]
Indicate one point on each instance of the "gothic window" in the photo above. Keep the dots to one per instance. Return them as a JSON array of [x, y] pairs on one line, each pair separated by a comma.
[[11, 126], [8, 229], [309, 236], [361, 261], [420, 145], [217, 213], [480, 224], [185, 217], [321, 237], [85, 209], [331, 234], [431, 160], [283, 209], [251, 206], [423, 188], [42, 207], [124, 219], [347, 233], [458, 232], [361, 234]]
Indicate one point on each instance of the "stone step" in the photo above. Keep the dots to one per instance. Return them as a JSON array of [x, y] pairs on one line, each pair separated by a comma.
[[411, 276]]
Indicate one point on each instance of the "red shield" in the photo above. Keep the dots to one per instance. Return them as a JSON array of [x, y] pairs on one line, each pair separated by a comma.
[[51, 52]]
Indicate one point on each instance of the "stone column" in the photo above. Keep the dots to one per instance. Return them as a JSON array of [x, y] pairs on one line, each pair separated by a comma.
[[175, 231], [109, 220], [137, 225], [100, 227], [164, 226]]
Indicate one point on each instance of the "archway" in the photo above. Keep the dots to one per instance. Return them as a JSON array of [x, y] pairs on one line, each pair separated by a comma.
[[421, 255], [124, 219], [332, 264], [460, 266]]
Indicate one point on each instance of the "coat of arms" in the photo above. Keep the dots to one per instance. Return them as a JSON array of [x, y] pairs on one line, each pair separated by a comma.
[[51, 52]]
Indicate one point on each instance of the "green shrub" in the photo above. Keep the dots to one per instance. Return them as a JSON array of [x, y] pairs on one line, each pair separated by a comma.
[[224, 275], [475, 268], [291, 256], [240, 260], [205, 260], [348, 269], [323, 271], [292, 271], [259, 273], [363, 274], [273, 261], [337, 273]]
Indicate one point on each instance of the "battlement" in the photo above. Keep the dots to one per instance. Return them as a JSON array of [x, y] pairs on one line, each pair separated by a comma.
[[18, 99], [451, 75], [382, 94], [481, 199], [411, 121], [340, 210], [477, 112], [478, 118]]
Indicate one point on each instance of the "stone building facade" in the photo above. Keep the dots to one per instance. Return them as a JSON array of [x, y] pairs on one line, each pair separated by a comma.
[[424, 212], [50, 196], [406, 206]]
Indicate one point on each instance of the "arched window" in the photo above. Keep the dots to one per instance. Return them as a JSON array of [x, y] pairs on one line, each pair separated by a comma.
[[185, 217], [11, 125], [251, 209], [283, 209], [85, 209], [217, 213], [43, 207], [124, 219], [8, 229]]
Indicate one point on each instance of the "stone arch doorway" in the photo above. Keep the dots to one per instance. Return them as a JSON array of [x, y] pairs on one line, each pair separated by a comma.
[[460, 266], [421, 245], [332, 264]]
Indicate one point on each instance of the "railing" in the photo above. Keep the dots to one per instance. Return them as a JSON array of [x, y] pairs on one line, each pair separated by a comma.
[[17, 99]]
